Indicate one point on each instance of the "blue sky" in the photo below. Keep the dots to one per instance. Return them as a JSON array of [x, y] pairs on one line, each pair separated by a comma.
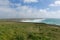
[[39, 4], [29, 8]]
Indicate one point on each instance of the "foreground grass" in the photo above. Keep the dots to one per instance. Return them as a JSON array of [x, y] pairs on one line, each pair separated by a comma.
[[28, 31]]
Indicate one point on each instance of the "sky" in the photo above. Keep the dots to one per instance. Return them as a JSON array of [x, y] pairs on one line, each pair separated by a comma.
[[29, 8]]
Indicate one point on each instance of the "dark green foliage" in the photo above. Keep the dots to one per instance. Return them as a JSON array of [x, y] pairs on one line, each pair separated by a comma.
[[28, 31]]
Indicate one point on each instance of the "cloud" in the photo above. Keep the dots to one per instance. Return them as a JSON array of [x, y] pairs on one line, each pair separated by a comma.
[[50, 14], [55, 14], [20, 12], [56, 3], [25, 11], [4, 3], [29, 1], [5, 10]]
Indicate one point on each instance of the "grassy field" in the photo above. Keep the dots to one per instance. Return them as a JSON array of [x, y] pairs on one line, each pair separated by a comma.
[[28, 31]]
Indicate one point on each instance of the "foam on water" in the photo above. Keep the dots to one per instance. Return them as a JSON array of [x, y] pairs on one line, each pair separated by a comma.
[[34, 20], [47, 21]]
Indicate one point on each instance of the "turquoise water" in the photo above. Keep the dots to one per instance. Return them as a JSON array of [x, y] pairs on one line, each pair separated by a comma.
[[47, 21], [52, 21]]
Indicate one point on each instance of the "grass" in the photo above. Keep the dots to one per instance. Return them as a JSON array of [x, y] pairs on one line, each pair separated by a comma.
[[28, 31]]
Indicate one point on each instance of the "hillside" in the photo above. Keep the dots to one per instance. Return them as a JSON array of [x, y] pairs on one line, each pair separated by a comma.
[[28, 31]]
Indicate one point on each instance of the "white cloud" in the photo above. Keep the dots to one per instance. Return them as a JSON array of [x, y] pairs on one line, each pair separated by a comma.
[[20, 11], [56, 3], [25, 11], [50, 14], [29, 1], [52, 5], [6, 11], [4, 3]]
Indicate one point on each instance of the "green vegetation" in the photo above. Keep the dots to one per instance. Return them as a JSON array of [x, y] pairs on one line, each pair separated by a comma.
[[28, 31]]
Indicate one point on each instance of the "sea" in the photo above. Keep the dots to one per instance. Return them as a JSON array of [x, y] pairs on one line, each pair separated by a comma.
[[51, 21], [44, 20]]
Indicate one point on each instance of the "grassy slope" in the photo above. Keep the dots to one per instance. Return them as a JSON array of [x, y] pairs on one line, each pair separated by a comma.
[[28, 31]]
